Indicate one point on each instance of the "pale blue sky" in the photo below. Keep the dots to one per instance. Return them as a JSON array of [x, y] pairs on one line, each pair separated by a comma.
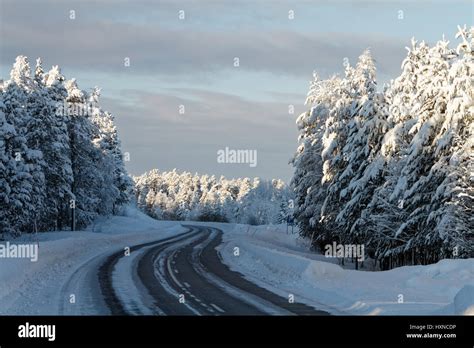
[[190, 62]]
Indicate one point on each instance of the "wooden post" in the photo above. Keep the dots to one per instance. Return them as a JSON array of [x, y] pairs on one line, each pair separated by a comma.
[[73, 219]]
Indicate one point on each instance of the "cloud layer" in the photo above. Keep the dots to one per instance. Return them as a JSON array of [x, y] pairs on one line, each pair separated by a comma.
[[190, 62], [157, 135]]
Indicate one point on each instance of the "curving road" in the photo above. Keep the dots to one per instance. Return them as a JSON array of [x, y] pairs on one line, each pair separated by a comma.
[[180, 275]]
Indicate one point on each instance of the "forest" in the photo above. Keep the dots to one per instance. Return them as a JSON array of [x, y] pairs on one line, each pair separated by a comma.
[[183, 196], [392, 167], [60, 155]]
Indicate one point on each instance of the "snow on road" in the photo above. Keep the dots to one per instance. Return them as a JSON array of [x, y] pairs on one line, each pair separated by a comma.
[[281, 263], [34, 288]]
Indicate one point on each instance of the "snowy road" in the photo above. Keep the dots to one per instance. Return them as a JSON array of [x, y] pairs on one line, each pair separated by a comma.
[[88, 273], [180, 275]]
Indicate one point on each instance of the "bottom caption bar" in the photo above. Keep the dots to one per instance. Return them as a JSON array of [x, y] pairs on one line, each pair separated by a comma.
[[328, 330]]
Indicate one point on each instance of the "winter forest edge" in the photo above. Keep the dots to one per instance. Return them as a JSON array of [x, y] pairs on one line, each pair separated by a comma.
[[391, 169]]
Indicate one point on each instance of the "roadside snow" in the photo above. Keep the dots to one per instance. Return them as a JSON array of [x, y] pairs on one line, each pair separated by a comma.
[[34, 288], [281, 263], [268, 256], [464, 301]]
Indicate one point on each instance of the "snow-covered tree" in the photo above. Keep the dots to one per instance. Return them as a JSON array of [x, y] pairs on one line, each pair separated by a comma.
[[307, 181], [364, 170], [106, 139], [174, 196], [450, 223], [383, 215], [415, 185], [57, 153], [7, 169], [86, 157], [397, 164], [25, 171], [54, 154], [339, 127]]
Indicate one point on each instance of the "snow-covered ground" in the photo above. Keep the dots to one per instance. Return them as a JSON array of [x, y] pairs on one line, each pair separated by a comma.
[[34, 288], [268, 256], [281, 263]]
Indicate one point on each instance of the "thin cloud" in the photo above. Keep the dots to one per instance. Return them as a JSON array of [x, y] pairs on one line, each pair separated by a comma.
[[156, 135], [161, 51]]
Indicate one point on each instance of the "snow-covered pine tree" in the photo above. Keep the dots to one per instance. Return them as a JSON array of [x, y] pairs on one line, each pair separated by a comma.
[[103, 128], [364, 170], [308, 162], [183, 195], [25, 176], [7, 169], [111, 146], [430, 110], [57, 153], [338, 127], [244, 187], [417, 215], [41, 134], [227, 199], [381, 218], [449, 228], [86, 158]]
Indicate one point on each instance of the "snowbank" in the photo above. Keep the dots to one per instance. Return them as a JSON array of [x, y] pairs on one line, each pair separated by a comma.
[[34, 287], [464, 301], [281, 263]]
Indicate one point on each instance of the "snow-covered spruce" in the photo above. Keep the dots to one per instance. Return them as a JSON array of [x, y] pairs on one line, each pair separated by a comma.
[[393, 168], [58, 149]]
